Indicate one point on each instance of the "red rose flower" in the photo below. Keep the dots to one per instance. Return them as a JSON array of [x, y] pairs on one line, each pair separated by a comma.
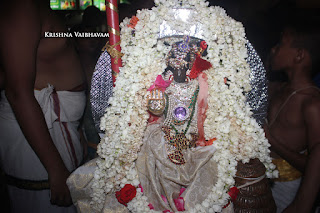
[[233, 193], [126, 194]]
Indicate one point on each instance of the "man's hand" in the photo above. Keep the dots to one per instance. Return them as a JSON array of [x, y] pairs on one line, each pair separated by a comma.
[[60, 194], [294, 208]]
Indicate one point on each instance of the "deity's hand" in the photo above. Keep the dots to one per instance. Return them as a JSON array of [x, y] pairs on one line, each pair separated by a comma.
[[156, 101]]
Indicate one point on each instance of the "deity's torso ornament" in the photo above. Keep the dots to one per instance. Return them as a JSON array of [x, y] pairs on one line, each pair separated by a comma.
[[180, 124]]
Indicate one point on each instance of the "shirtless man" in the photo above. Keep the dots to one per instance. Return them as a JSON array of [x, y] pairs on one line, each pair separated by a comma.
[[31, 61], [294, 121]]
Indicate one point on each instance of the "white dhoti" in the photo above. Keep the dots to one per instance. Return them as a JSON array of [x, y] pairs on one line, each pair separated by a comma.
[[285, 187], [62, 111], [284, 193]]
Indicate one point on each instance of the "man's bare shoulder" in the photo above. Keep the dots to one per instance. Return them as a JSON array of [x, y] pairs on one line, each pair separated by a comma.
[[17, 9], [16, 16], [19, 39], [311, 98], [312, 103]]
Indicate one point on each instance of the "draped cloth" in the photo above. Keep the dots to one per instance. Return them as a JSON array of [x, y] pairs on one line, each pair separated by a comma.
[[80, 185], [62, 111], [160, 177]]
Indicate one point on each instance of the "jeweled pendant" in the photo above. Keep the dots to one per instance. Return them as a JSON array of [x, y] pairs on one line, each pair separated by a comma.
[[180, 112], [176, 157]]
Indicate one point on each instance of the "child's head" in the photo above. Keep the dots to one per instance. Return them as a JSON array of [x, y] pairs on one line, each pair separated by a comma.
[[305, 35], [300, 39]]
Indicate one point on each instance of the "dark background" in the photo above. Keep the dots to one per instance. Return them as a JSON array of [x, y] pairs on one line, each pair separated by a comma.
[[263, 19]]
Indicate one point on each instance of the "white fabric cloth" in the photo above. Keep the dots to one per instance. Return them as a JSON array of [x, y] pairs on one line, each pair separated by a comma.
[[80, 185], [284, 193], [160, 177], [17, 157]]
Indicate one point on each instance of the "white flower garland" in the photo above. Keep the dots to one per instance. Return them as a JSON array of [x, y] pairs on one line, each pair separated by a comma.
[[239, 137]]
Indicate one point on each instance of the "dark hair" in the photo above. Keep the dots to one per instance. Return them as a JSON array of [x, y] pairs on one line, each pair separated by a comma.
[[306, 35], [92, 17]]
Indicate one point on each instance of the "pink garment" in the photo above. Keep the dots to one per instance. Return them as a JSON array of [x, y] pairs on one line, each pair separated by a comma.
[[160, 83]]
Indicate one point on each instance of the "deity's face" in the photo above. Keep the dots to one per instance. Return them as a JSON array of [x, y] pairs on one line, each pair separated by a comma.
[[180, 74], [180, 59]]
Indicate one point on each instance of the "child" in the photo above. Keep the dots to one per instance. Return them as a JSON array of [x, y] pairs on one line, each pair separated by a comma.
[[294, 120]]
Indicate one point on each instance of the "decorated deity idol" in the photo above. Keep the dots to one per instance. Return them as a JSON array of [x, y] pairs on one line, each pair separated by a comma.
[[174, 163], [183, 127]]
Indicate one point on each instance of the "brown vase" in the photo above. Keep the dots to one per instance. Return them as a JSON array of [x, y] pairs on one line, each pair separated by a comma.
[[255, 198]]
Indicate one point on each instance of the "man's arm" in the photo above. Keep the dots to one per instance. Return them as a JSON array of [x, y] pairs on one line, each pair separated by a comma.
[[21, 30], [310, 184], [297, 160]]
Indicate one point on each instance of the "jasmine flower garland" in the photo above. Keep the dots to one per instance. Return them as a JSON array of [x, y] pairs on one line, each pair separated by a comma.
[[239, 137]]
